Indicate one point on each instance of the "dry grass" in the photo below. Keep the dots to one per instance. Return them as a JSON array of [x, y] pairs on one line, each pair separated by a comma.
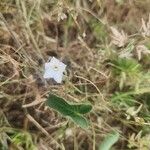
[[97, 72]]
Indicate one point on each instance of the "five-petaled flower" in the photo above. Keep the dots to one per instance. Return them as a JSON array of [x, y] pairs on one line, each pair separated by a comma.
[[54, 69]]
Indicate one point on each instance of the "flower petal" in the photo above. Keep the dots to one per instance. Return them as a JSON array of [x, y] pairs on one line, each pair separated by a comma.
[[49, 73], [58, 63], [58, 77]]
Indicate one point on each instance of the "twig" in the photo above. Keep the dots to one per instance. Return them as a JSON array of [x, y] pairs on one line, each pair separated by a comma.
[[42, 129]]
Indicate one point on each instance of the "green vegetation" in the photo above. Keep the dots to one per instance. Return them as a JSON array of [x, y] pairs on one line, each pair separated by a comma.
[[74, 111], [106, 87]]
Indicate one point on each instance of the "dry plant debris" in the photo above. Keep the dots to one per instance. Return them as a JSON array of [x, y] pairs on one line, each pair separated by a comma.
[[106, 47]]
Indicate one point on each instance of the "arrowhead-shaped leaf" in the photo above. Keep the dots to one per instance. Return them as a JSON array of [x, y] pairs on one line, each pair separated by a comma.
[[75, 112]]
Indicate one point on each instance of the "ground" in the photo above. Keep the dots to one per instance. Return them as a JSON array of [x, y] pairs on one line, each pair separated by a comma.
[[106, 47]]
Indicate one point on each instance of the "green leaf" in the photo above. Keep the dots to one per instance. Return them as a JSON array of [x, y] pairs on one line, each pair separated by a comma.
[[82, 109], [74, 111], [80, 120], [109, 141], [59, 104]]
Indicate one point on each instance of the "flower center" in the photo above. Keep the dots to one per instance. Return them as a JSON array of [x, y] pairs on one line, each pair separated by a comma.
[[55, 67]]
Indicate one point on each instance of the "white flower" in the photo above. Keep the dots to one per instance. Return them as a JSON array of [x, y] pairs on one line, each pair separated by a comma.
[[54, 69]]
